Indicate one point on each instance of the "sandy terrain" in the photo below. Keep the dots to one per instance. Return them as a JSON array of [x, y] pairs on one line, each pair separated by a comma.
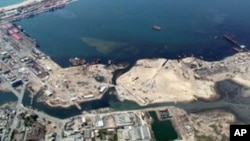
[[148, 81], [3, 87], [78, 82], [69, 86], [161, 80], [181, 122], [244, 80], [213, 125]]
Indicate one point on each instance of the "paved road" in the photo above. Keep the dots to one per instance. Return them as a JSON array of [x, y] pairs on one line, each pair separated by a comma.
[[18, 108], [6, 45]]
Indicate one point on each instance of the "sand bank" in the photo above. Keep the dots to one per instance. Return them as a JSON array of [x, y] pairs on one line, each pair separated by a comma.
[[162, 80]]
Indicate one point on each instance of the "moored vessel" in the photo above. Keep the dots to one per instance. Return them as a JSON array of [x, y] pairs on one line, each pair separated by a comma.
[[230, 39]]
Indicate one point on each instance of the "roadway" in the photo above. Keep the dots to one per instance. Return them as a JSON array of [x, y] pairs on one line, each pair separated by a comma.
[[18, 108]]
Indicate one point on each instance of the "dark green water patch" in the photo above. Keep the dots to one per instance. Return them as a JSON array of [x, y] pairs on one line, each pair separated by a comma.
[[6, 97], [163, 130]]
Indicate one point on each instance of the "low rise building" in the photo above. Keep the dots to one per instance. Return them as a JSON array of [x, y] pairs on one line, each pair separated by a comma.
[[124, 119]]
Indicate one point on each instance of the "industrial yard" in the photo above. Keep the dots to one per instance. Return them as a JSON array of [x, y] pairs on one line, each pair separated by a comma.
[[29, 124], [23, 64], [112, 126], [18, 65], [30, 8], [67, 86]]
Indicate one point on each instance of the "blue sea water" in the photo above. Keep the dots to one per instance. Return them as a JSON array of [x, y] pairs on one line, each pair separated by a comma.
[[188, 27], [9, 2]]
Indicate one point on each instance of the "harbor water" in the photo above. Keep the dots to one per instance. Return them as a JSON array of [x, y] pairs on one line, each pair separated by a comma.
[[6, 97], [122, 30]]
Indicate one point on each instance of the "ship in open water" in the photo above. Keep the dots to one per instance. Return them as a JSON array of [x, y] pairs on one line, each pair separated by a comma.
[[156, 27], [230, 39]]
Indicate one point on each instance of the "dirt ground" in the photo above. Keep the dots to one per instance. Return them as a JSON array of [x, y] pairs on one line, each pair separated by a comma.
[[72, 85], [213, 125], [161, 80], [210, 125]]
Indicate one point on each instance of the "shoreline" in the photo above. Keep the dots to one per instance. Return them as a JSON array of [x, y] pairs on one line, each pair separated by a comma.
[[10, 13], [131, 84], [8, 104], [196, 98], [4, 90], [49, 103]]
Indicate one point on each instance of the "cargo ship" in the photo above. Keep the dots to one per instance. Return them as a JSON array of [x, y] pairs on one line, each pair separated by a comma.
[[230, 39], [156, 27]]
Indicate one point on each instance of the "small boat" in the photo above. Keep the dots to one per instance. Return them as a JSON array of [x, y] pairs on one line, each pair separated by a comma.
[[156, 27]]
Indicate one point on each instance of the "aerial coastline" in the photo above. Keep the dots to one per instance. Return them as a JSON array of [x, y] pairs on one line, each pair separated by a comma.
[[15, 6], [62, 86], [29, 8], [178, 77], [149, 81], [185, 76]]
